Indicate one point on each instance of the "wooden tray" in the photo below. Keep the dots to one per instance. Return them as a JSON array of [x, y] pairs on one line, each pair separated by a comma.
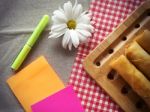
[[97, 62]]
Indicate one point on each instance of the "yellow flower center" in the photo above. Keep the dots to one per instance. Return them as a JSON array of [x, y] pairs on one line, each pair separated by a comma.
[[71, 24]]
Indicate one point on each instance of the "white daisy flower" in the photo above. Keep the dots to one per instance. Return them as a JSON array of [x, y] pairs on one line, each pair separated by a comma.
[[72, 24]]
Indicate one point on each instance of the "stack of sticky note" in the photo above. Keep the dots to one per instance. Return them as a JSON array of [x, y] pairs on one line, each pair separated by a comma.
[[38, 85]]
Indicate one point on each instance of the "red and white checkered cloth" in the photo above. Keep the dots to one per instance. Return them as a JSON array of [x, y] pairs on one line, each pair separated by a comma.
[[106, 15]]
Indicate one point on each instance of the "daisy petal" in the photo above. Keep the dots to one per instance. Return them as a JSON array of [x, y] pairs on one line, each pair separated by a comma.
[[66, 39], [61, 16], [83, 19], [74, 38], [70, 45], [85, 26], [77, 11], [56, 21], [58, 27], [81, 37], [84, 33], [76, 2], [68, 9], [61, 9], [56, 34]]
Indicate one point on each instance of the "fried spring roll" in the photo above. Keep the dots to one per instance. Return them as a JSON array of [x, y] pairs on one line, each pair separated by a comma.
[[144, 40], [133, 77], [139, 57]]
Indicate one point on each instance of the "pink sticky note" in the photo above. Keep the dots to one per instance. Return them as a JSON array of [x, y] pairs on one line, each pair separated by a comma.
[[63, 101]]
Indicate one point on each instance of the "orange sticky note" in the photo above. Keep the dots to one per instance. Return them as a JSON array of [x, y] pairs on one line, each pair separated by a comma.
[[34, 83]]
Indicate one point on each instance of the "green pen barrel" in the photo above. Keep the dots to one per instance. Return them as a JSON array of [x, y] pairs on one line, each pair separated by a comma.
[[20, 58], [35, 35], [31, 41]]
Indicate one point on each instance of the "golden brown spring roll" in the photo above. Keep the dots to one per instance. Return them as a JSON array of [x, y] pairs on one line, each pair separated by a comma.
[[133, 77], [144, 40], [139, 57]]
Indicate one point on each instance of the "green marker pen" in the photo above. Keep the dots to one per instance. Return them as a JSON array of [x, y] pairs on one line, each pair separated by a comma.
[[31, 41]]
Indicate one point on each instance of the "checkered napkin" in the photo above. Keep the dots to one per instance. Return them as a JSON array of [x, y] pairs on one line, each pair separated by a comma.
[[106, 15]]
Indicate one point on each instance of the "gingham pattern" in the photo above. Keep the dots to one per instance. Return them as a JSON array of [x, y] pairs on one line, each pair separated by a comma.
[[106, 15]]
